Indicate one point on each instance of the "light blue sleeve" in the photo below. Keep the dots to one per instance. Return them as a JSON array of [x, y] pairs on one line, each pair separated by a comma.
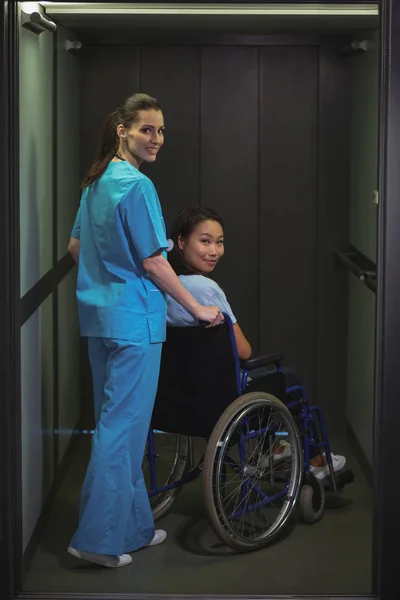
[[219, 299], [143, 218], [76, 230], [207, 292]]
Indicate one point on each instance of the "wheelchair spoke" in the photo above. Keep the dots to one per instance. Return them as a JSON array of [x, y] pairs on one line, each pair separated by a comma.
[[253, 486], [164, 464]]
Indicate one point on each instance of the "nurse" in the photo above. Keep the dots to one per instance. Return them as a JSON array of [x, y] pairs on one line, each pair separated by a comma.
[[119, 241]]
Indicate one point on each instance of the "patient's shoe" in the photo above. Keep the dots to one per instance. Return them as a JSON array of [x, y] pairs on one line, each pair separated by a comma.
[[105, 560], [282, 451], [338, 463], [159, 537]]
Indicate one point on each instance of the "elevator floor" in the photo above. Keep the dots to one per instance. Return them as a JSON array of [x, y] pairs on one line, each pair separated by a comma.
[[333, 556]]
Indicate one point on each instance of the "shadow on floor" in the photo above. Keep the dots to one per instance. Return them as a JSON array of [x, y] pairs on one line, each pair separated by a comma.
[[330, 557]]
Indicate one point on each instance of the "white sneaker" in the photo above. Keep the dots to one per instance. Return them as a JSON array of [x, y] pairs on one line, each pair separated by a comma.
[[283, 451], [105, 560], [159, 537], [338, 463]]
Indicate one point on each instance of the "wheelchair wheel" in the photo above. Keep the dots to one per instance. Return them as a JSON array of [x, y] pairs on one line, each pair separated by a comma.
[[251, 489], [170, 459], [312, 500]]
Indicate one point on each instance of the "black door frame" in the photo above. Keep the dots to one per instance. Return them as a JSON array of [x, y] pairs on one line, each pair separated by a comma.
[[386, 585], [10, 417], [387, 390]]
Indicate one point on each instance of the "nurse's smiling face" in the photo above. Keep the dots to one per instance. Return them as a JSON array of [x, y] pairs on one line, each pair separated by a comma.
[[143, 139], [204, 247]]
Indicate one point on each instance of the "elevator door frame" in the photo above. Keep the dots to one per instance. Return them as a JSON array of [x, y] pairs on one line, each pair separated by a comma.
[[386, 484]]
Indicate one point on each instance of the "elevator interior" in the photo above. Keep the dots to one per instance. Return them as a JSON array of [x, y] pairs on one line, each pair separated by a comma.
[[272, 120]]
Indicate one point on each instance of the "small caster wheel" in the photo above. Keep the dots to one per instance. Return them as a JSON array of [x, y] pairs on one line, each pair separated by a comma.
[[312, 500]]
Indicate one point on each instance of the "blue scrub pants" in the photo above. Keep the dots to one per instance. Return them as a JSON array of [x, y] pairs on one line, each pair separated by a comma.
[[115, 515]]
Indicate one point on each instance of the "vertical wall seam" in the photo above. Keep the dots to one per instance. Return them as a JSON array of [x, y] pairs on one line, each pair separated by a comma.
[[139, 68], [317, 295], [200, 174], [259, 199]]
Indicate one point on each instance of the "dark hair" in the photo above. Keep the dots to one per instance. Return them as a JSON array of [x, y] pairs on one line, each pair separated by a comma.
[[184, 225], [126, 115]]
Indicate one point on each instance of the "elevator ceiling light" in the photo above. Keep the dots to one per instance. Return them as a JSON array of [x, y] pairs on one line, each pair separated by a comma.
[[30, 7], [115, 8]]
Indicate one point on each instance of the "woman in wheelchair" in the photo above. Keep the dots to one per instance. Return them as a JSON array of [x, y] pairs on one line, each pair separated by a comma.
[[198, 238]]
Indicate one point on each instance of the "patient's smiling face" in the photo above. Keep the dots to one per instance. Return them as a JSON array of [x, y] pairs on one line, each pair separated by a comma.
[[204, 247]]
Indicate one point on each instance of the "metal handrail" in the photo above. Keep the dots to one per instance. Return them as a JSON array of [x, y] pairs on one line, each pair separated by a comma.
[[361, 266]]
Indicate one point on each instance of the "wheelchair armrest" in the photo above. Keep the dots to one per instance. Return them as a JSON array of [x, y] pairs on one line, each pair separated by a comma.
[[261, 361]]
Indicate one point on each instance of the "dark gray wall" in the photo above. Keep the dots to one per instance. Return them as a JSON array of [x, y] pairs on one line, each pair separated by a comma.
[[363, 236], [259, 133]]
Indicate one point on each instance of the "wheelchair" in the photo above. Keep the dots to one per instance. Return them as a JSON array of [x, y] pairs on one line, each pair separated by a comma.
[[259, 432]]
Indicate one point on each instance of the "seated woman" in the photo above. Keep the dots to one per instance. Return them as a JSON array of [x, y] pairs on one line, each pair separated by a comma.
[[198, 238]]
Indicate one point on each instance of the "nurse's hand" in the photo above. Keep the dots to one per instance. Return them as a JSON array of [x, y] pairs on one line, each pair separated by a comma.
[[163, 275], [210, 314]]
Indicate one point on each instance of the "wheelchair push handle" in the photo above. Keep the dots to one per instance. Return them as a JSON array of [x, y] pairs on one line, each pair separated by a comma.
[[226, 320]]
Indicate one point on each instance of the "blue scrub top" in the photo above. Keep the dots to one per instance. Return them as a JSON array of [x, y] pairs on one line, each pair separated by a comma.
[[119, 224]]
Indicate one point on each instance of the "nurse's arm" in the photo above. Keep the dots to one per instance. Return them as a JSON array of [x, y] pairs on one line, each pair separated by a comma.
[[163, 275], [73, 248]]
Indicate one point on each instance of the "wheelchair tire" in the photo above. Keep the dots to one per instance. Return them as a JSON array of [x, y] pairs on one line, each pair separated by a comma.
[[228, 514], [171, 468], [312, 500]]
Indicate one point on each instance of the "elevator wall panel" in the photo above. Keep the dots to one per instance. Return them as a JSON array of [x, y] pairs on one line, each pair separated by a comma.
[[36, 260], [68, 141], [364, 148], [171, 74], [110, 76], [333, 233], [37, 415], [288, 181], [229, 170], [36, 156], [361, 362], [69, 366], [363, 236]]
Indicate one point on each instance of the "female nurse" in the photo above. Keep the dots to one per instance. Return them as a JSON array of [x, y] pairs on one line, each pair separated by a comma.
[[119, 241]]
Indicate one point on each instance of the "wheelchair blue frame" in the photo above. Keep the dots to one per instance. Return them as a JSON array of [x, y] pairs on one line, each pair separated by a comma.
[[308, 417]]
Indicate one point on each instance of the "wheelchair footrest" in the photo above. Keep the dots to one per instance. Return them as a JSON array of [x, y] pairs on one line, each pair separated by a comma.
[[342, 478]]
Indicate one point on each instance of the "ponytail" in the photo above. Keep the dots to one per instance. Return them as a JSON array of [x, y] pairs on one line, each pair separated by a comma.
[[109, 143]]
